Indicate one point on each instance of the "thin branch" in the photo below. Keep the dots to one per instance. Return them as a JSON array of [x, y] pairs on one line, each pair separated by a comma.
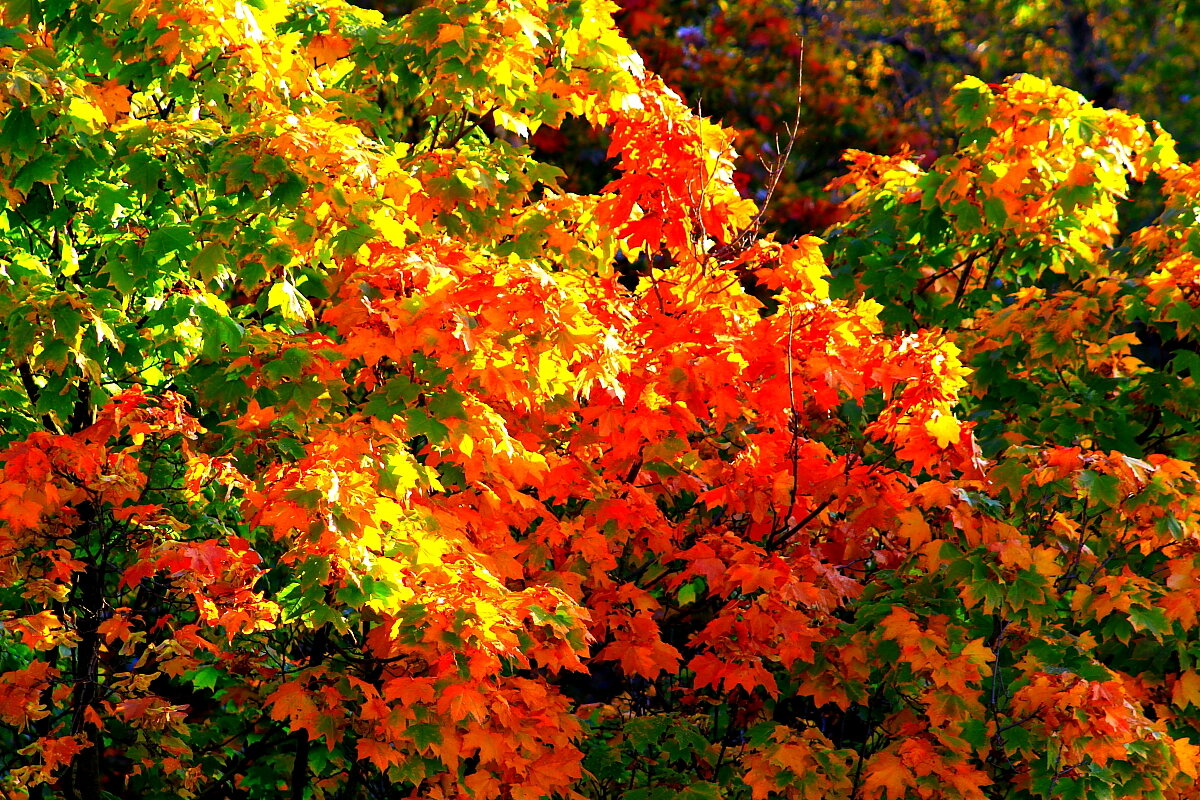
[[788, 533], [34, 393], [776, 169], [29, 226]]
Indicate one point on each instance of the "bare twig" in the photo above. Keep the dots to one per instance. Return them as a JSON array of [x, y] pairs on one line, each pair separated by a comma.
[[775, 168]]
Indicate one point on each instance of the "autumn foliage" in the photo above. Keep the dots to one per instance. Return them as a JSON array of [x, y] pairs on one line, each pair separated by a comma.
[[347, 453]]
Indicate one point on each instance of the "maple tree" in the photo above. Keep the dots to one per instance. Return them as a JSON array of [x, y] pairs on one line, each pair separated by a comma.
[[342, 457], [877, 75]]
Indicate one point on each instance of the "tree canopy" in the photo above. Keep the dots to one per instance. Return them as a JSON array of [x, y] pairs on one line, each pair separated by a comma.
[[353, 444]]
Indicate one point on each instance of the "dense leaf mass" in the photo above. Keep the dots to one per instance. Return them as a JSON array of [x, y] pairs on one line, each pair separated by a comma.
[[350, 449]]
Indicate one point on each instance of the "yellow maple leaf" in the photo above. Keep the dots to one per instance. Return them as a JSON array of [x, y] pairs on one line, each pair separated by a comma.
[[945, 428]]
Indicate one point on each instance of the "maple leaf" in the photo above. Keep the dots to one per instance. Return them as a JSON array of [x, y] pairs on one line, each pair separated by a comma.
[[943, 428], [639, 650], [60, 751], [461, 701], [112, 98], [887, 776], [382, 754], [115, 627], [41, 631], [327, 49], [291, 701], [21, 690]]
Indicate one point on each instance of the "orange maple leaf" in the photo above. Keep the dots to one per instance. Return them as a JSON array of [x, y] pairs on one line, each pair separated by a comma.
[[112, 98]]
